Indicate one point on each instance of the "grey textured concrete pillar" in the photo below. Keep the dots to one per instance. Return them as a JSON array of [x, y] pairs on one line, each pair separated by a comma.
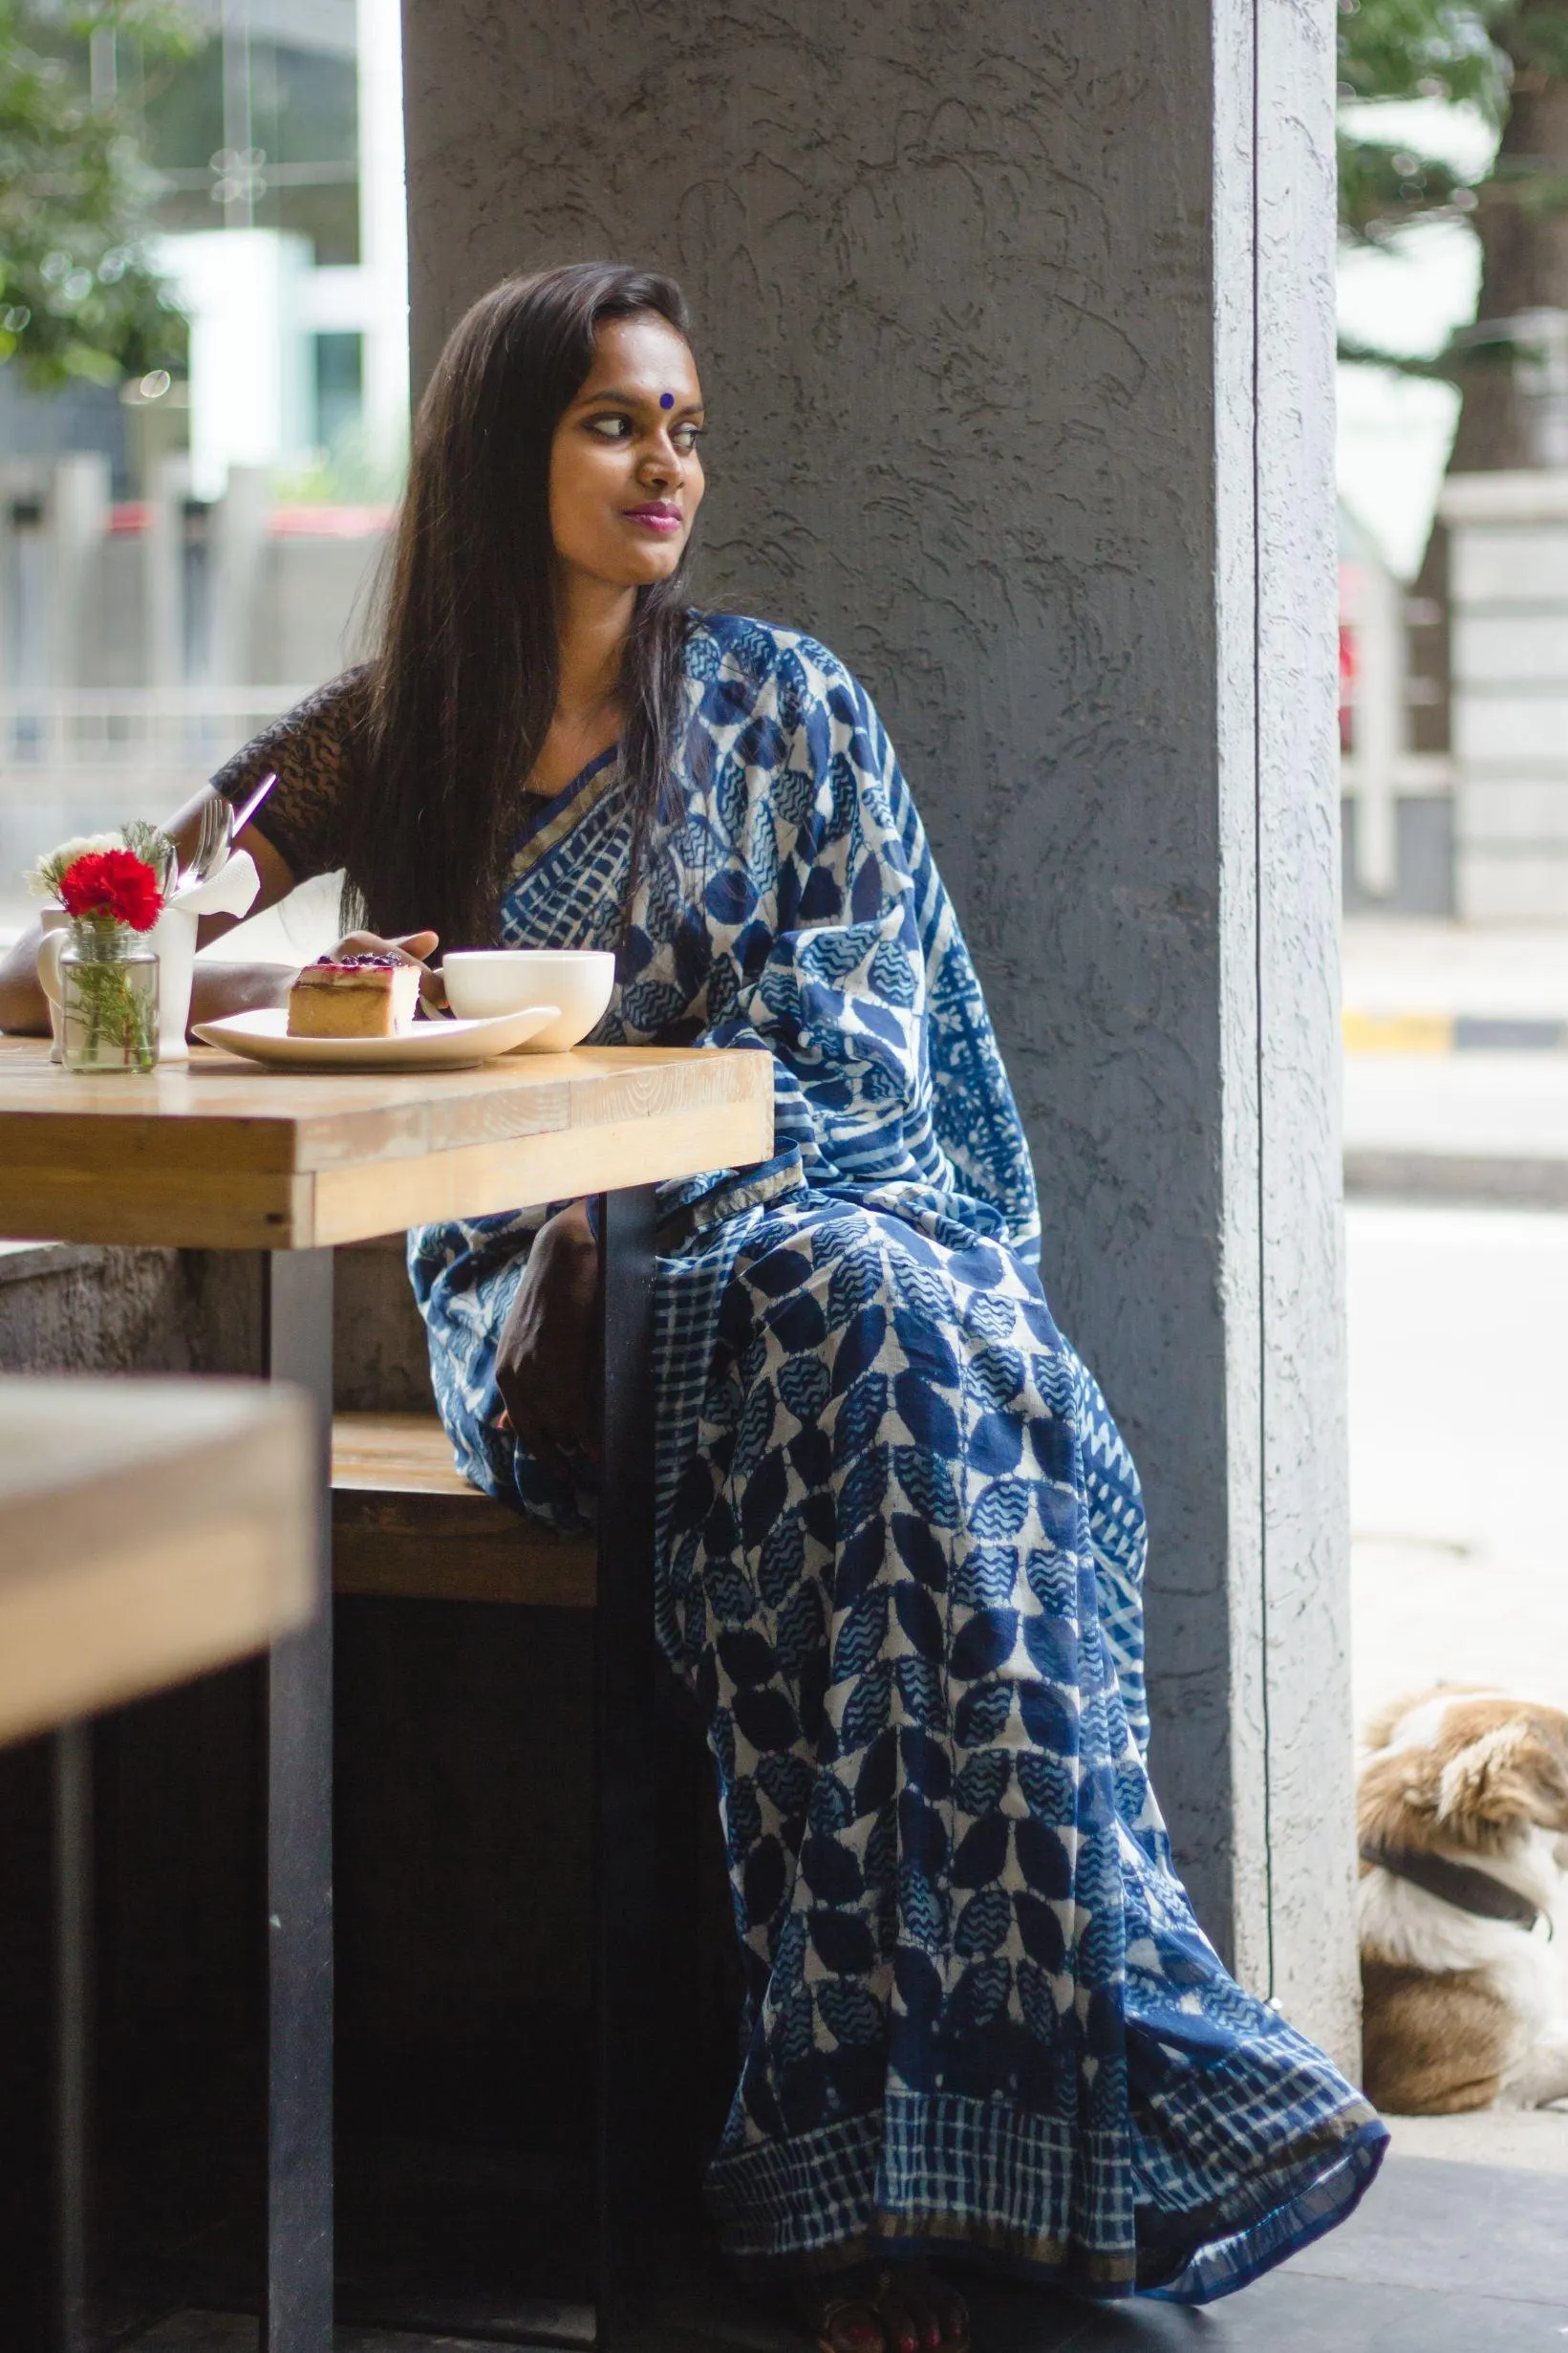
[[1015, 324]]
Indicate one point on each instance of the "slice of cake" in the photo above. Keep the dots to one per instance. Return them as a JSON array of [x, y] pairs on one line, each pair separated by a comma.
[[354, 997]]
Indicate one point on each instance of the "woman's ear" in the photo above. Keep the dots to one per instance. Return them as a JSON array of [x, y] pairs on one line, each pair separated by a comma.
[[1519, 1772]]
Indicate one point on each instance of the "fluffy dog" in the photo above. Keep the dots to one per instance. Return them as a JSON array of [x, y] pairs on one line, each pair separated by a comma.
[[1462, 1812]]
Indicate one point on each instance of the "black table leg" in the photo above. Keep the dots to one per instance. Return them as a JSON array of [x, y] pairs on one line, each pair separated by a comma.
[[297, 2315], [72, 1812], [626, 2144], [46, 1830]]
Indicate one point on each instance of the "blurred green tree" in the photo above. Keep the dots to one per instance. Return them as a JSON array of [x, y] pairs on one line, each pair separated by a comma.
[[1412, 49], [79, 297], [1509, 59]]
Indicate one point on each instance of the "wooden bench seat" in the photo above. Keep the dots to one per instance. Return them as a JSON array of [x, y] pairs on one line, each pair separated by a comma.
[[407, 1526]]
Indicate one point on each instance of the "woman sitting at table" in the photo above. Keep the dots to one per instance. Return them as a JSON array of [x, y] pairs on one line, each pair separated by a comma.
[[900, 1540]]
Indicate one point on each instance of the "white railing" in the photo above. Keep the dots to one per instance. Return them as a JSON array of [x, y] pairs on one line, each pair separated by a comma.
[[84, 759], [70, 738]]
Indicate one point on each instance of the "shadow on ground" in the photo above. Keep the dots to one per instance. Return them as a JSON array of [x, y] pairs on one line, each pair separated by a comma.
[[1442, 2258]]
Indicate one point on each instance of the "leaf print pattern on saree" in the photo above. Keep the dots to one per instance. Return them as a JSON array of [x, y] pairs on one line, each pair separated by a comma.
[[901, 1552], [978, 2002]]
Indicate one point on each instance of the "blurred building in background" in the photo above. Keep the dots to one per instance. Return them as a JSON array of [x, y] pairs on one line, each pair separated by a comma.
[[184, 558], [1454, 716], [278, 149], [1507, 566], [1397, 836], [147, 639], [1453, 469], [181, 558]]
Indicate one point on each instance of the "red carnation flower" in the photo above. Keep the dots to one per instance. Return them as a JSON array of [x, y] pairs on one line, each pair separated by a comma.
[[114, 884]]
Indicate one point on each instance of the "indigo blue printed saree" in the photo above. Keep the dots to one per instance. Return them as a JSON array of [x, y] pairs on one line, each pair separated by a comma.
[[901, 1545]]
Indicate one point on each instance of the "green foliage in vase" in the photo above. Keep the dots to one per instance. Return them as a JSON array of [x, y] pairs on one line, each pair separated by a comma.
[[148, 841], [109, 1001]]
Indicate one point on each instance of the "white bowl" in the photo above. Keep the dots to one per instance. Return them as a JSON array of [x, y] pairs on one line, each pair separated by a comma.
[[484, 982]]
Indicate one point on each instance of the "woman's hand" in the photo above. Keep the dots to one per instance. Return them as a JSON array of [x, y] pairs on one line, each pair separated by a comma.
[[547, 1359], [411, 948]]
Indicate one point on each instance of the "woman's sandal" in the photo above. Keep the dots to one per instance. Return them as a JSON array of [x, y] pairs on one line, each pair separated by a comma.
[[853, 2311]]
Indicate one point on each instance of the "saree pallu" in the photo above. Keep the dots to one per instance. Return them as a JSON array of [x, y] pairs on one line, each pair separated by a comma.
[[901, 1549]]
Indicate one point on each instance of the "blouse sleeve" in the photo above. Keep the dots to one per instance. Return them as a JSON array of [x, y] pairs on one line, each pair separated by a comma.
[[314, 751]]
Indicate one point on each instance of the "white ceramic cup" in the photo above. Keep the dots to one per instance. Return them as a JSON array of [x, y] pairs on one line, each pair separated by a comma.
[[481, 982]]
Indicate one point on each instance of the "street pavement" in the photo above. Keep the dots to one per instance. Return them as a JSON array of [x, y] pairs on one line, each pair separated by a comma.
[[1456, 1228], [1395, 965], [1458, 1510], [1456, 1068], [1504, 1107], [1458, 1433]]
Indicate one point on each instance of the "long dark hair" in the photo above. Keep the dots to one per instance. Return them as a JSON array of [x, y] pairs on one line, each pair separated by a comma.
[[464, 681]]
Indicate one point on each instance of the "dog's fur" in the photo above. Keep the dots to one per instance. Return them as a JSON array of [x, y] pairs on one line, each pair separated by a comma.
[[1462, 2011]]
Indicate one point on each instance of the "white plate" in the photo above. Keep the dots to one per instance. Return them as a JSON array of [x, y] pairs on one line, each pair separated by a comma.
[[429, 1045]]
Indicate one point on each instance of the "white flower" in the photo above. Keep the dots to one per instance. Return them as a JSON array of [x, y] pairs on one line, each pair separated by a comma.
[[43, 880]]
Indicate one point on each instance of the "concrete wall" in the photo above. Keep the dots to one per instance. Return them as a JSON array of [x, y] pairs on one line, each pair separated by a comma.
[[69, 1307], [1508, 554], [998, 310]]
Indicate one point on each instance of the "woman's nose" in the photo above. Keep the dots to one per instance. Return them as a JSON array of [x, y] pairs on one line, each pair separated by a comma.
[[661, 460]]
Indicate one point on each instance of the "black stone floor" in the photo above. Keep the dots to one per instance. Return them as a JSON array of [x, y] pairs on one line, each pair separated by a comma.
[[1440, 2259]]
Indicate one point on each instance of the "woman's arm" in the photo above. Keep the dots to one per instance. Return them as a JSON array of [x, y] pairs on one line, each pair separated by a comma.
[[311, 752], [219, 988], [544, 1366], [24, 1009]]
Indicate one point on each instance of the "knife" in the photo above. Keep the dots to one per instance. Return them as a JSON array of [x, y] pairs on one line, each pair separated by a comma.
[[248, 809]]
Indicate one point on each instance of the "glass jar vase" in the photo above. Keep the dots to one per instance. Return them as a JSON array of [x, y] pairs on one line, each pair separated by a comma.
[[108, 999]]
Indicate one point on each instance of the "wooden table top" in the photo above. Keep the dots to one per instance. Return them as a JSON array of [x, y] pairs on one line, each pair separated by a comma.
[[154, 1529], [220, 1153]]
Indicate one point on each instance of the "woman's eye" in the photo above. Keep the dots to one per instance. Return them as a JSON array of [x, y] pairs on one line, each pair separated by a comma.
[[686, 437], [611, 428]]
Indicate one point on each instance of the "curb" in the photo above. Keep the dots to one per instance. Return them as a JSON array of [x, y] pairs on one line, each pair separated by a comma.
[[1457, 1180], [1452, 1033]]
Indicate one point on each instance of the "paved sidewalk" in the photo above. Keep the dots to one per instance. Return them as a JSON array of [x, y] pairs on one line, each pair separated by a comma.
[[1401, 969], [1456, 1063], [1416, 988], [1461, 1127]]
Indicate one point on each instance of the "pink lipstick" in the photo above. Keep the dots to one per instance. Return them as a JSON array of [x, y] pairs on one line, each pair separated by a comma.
[[657, 515]]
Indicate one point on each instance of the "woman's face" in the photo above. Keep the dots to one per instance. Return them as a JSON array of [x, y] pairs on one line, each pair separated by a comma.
[[625, 480]]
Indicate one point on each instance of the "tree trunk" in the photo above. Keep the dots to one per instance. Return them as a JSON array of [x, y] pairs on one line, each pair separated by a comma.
[[1524, 247]]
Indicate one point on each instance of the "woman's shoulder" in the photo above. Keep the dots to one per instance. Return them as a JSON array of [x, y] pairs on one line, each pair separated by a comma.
[[316, 731], [338, 708], [313, 752], [736, 650]]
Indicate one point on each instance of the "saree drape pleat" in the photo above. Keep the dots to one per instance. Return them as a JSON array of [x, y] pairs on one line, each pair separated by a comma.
[[901, 1553]]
